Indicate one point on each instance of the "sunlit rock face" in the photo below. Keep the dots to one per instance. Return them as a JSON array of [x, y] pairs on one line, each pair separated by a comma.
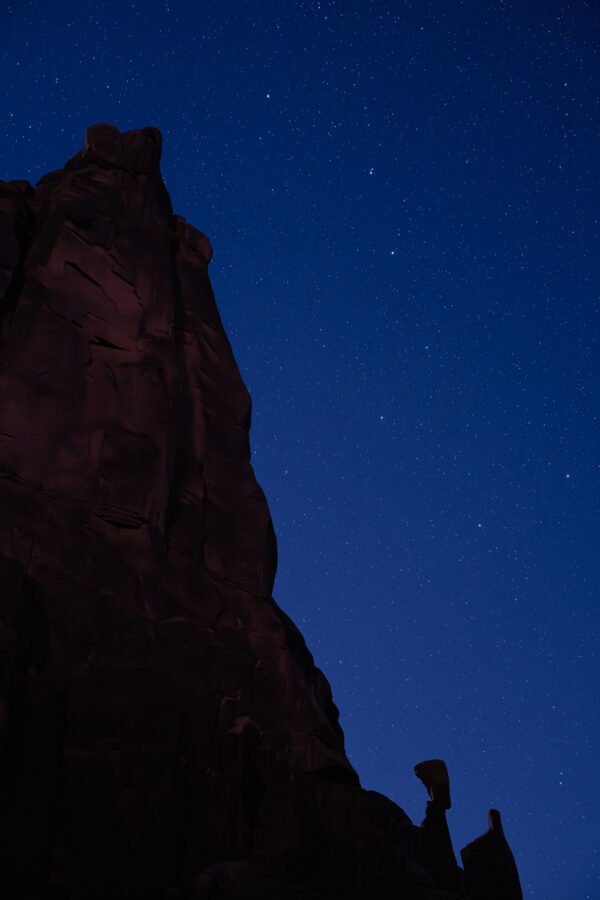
[[163, 730]]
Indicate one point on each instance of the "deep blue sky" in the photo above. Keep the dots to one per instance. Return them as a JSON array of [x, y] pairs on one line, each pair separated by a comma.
[[403, 200]]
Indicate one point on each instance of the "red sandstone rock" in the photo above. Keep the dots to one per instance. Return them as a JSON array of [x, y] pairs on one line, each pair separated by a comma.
[[163, 729]]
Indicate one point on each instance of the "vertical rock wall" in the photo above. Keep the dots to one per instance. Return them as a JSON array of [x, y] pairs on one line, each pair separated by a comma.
[[163, 730]]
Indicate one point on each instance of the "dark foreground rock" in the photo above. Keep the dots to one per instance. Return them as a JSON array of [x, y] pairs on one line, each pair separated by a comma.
[[163, 729]]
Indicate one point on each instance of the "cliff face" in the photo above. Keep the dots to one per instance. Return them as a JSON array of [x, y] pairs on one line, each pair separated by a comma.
[[163, 730]]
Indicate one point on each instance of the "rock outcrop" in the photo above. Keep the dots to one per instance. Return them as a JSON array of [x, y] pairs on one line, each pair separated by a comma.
[[163, 729]]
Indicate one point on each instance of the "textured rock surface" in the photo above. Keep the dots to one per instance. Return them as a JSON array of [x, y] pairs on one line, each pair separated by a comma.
[[163, 730]]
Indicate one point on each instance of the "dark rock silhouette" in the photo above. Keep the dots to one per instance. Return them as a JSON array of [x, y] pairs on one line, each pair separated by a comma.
[[163, 729], [490, 870]]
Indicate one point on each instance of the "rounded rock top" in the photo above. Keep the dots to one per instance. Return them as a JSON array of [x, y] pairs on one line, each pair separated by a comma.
[[138, 151]]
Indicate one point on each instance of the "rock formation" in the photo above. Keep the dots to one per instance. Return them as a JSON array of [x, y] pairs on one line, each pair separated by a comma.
[[163, 729]]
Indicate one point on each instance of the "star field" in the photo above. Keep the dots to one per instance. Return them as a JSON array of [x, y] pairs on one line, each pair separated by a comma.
[[403, 200]]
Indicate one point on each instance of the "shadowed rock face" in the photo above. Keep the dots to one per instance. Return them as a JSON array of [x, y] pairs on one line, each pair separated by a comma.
[[163, 730]]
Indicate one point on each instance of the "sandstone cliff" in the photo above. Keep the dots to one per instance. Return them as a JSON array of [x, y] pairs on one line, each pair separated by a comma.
[[163, 729]]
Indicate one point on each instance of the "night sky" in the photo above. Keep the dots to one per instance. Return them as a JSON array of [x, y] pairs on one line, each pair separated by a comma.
[[403, 200]]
